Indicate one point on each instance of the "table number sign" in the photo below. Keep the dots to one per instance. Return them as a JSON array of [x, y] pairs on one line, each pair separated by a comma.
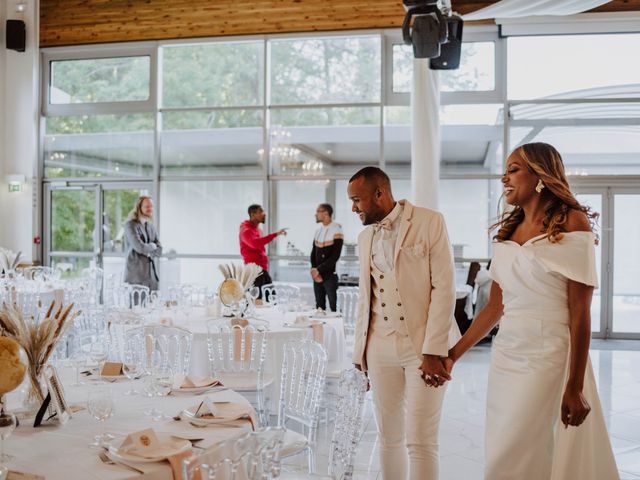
[[55, 404]]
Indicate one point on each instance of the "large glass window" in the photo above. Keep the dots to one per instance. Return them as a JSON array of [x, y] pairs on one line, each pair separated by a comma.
[[95, 80], [222, 142], [573, 66], [99, 145], [213, 75], [203, 217], [325, 70], [315, 142], [476, 72]]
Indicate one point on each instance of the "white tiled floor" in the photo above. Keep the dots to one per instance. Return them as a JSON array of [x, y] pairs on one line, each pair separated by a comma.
[[461, 434]]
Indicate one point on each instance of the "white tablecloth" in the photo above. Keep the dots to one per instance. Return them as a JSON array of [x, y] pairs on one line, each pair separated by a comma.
[[62, 452]]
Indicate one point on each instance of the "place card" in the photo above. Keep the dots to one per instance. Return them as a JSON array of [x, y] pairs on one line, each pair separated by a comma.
[[111, 369]]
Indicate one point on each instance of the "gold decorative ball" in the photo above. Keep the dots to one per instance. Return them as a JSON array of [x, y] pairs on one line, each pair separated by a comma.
[[231, 292], [13, 365]]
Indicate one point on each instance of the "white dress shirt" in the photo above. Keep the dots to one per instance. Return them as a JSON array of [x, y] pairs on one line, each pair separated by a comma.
[[384, 239]]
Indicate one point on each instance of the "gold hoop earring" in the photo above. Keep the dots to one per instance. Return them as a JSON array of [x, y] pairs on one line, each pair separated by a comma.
[[539, 186]]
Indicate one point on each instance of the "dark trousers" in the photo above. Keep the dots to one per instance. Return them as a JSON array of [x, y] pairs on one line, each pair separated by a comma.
[[327, 288], [263, 279]]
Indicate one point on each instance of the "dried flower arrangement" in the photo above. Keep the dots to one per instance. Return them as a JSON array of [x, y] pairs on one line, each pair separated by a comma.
[[38, 339]]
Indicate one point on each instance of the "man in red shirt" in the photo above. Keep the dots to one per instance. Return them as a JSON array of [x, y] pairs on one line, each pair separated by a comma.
[[253, 243]]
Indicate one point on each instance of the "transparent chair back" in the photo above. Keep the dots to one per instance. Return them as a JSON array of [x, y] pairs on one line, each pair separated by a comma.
[[43, 274], [348, 306], [237, 356], [94, 276], [280, 293], [168, 346], [302, 383], [254, 455], [348, 423], [138, 296]]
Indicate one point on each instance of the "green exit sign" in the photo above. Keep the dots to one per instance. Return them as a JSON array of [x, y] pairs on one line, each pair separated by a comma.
[[15, 187]]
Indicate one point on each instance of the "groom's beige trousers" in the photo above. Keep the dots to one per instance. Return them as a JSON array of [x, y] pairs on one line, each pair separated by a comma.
[[407, 411]]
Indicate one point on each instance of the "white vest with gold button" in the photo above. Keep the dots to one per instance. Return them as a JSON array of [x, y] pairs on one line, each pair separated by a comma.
[[387, 313]]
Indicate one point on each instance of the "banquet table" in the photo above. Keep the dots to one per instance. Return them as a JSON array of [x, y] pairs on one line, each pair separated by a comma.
[[280, 330], [62, 452]]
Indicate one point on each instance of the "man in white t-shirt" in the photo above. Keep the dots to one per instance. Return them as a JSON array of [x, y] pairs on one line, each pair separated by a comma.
[[327, 247]]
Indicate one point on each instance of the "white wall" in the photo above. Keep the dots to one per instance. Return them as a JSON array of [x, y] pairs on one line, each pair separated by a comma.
[[19, 80]]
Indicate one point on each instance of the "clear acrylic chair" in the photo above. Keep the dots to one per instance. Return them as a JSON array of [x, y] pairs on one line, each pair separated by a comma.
[[237, 355], [94, 276], [254, 455], [302, 385], [171, 344], [348, 424], [138, 296], [43, 274], [280, 293], [348, 307]]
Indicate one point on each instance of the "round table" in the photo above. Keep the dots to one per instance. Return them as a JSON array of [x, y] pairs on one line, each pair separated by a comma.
[[62, 452]]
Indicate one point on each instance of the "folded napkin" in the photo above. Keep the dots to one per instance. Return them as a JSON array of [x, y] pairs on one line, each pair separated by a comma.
[[145, 444], [208, 409], [188, 381]]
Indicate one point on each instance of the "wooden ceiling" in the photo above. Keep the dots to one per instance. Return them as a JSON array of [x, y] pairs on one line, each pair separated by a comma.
[[77, 22]]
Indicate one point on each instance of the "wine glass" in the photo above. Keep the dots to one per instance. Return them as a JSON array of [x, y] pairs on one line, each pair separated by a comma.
[[98, 352], [8, 424], [100, 406], [131, 368]]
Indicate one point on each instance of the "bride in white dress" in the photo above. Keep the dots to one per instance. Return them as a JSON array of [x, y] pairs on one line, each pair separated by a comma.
[[544, 419]]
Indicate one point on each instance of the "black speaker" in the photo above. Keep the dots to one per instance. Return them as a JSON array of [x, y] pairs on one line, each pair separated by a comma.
[[16, 35]]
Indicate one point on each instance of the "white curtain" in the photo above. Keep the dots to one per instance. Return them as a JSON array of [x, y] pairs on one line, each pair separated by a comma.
[[425, 134], [526, 8]]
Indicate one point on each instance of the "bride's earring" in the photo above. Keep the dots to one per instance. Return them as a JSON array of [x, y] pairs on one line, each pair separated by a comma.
[[539, 186]]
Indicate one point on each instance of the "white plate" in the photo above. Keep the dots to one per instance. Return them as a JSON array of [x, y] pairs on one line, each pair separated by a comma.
[[197, 390], [180, 445]]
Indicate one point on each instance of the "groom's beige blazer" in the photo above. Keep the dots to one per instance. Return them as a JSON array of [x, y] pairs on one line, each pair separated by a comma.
[[425, 276]]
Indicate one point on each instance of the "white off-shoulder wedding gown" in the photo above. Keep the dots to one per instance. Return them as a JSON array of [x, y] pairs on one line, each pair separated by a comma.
[[525, 439]]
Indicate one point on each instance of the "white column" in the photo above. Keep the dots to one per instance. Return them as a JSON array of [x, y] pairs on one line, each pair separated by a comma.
[[425, 135], [19, 129]]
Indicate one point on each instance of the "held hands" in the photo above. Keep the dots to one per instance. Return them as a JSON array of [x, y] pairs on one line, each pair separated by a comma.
[[574, 409], [433, 370]]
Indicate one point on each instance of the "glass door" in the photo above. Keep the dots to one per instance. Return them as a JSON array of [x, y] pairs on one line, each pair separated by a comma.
[[70, 241], [84, 225], [625, 275]]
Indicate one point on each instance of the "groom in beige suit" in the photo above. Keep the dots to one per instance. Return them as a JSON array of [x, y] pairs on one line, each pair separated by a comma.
[[405, 322]]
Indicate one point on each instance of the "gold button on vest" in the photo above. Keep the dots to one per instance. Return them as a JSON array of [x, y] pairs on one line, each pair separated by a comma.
[[387, 315]]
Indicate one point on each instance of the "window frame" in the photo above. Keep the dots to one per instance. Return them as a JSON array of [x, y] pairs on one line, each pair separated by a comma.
[[91, 52], [471, 34]]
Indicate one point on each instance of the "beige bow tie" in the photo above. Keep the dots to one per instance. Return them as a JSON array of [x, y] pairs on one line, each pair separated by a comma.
[[385, 224]]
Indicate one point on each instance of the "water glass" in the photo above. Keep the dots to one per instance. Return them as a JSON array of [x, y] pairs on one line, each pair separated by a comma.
[[131, 369], [100, 406], [98, 352], [164, 380], [7, 426]]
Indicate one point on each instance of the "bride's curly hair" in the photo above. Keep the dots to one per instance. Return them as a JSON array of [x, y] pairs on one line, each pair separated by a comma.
[[544, 161]]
